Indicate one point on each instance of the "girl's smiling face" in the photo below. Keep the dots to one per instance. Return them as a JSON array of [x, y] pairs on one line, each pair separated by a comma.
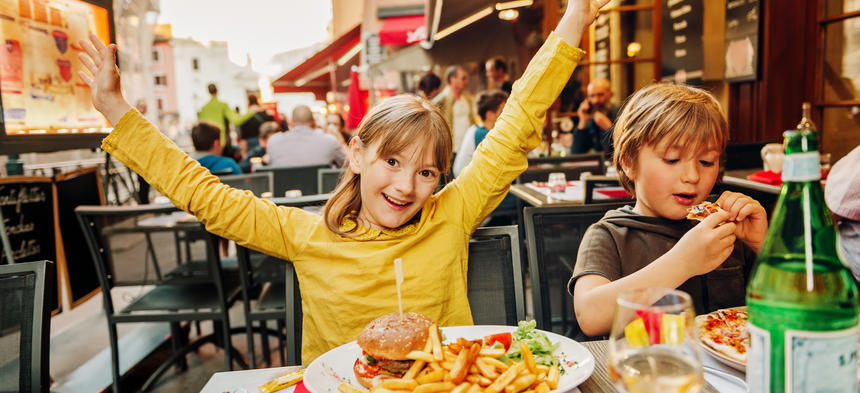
[[670, 179], [393, 188]]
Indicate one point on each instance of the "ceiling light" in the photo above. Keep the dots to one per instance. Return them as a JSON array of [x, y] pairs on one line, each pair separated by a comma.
[[463, 23], [513, 4], [509, 14]]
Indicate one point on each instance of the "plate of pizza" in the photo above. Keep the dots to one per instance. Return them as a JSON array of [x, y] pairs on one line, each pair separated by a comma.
[[723, 334]]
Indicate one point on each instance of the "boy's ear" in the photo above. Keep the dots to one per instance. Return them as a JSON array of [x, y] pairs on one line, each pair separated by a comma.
[[354, 155]]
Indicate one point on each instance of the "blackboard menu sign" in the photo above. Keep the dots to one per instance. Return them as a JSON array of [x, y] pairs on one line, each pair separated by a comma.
[[681, 42], [741, 40], [29, 217], [81, 187]]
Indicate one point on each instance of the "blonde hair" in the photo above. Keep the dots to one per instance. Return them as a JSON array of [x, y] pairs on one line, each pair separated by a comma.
[[678, 114], [395, 124]]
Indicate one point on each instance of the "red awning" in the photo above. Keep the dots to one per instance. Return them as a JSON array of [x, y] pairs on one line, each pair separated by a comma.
[[403, 30], [314, 75]]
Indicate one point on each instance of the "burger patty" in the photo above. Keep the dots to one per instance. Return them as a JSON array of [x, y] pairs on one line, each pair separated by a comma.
[[396, 367]]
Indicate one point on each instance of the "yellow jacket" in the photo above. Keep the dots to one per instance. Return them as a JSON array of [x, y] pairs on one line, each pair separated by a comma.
[[346, 282]]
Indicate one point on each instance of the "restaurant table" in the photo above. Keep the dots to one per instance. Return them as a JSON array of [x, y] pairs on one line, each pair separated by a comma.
[[536, 198], [738, 178], [598, 382]]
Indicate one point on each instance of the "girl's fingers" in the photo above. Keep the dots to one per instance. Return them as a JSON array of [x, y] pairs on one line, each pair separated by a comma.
[[88, 62], [86, 78], [97, 43], [92, 52]]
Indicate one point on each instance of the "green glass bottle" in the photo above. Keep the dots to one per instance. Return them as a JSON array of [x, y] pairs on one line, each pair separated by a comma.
[[802, 298]]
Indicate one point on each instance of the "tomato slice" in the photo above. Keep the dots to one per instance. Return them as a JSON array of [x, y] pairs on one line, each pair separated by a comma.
[[503, 338], [365, 370]]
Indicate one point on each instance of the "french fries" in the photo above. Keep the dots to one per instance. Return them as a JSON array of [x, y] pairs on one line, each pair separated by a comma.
[[466, 366]]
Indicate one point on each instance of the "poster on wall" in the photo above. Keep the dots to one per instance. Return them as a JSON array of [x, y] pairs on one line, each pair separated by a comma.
[[681, 43], [741, 40], [41, 93]]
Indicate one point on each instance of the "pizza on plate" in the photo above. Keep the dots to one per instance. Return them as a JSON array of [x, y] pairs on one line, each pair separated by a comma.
[[725, 332], [702, 211]]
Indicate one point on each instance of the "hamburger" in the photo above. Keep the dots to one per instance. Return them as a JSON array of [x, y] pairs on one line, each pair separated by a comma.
[[385, 342]]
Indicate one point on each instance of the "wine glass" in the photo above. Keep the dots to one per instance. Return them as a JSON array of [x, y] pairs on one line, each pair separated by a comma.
[[652, 345]]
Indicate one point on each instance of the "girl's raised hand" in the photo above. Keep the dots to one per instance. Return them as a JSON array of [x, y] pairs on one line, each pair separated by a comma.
[[748, 214], [577, 17], [707, 245], [104, 84]]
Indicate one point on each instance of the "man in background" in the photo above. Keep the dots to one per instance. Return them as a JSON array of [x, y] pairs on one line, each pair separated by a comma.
[[456, 104], [497, 75], [220, 114], [596, 116], [302, 145]]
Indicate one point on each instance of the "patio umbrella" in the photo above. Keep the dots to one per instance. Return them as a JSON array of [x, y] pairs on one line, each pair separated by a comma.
[[356, 99]]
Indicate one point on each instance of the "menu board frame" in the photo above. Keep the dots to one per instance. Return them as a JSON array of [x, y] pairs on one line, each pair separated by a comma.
[[742, 43], [25, 230], [16, 144]]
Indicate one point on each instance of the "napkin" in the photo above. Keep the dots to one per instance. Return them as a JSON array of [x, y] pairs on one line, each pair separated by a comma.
[[767, 177], [300, 388]]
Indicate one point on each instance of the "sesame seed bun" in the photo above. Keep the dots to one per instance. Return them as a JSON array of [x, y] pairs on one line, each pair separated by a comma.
[[391, 337]]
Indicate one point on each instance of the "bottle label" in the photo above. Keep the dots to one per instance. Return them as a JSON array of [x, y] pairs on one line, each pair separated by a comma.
[[758, 360], [821, 361], [799, 167]]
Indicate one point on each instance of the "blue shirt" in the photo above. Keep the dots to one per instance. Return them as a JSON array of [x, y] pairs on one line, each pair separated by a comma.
[[216, 163]]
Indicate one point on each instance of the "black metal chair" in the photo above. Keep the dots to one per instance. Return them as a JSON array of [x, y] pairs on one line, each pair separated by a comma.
[[117, 241], [327, 179], [495, 277], [553, 235], [302, 178], [258, 182], [265, 294], [25, 325]]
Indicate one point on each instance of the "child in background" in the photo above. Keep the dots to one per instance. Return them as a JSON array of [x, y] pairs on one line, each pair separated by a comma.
[[207, 146], [668, 142], [490, 105], [384, 208]]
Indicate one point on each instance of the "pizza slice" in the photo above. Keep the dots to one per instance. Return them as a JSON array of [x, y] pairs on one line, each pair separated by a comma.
[[702, 211], [724, 331]]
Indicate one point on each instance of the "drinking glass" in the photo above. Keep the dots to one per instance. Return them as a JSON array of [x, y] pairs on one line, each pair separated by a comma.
[[557, 182], [652, 345]]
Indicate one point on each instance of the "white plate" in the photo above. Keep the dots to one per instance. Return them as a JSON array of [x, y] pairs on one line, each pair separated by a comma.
[[335, 366]]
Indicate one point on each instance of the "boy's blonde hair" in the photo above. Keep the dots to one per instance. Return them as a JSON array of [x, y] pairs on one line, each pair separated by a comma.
[[681, 115], [395, 124]]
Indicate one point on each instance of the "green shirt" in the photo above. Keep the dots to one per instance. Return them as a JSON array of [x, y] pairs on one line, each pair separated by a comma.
[[220, 114], [347, 282]]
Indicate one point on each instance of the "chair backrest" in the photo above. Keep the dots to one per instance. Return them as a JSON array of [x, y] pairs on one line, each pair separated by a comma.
[[302, 178], [25, 326], [327, 179], [495, 278], [258, 182], [553, 235], [603, 189]]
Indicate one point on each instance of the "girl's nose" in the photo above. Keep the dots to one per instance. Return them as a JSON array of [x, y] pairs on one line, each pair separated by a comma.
[[404, 183]]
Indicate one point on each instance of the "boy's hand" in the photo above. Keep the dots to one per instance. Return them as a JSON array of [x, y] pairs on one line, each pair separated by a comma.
[[105, 82], [748, 214], [707, 245]]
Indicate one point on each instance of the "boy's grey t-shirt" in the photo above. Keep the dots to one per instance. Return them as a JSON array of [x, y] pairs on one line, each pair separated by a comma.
[[623, 242]]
